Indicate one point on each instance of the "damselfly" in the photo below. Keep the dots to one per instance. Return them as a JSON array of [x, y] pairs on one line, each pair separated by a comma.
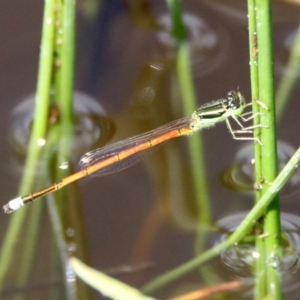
[[107, 159]]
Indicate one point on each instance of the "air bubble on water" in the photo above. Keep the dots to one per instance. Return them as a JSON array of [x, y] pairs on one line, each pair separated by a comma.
[[274, 260], [64, 165], [72, 248], [70, 232]]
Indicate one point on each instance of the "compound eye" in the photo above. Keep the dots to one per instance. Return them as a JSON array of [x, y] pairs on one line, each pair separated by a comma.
[[230, 96], [233, 100]]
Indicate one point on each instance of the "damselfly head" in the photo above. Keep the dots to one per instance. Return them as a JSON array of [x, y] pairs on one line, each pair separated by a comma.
[[235, 100]]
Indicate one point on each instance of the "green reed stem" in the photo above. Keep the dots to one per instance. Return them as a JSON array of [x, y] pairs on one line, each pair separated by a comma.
[[245, 227], [63, 215], [195, 142], [67, 59], [184, 73], [196, 148], [260, 286], [178, 28], [262, 85], [38, 132], [57, 18]]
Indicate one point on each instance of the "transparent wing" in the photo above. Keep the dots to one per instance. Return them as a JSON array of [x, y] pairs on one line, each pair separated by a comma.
[[101, 154]]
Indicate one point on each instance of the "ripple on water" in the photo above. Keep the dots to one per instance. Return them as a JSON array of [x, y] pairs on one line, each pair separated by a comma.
[[209, 44], [91, 127], [239, 176], [240, 258]]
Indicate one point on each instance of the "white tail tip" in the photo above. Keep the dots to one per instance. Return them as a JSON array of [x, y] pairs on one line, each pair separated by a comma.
[[13, 205]]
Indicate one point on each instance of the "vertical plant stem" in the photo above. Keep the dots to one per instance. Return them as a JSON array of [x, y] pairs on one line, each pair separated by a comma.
[[260, 281], [189, 103], [64, 216], [38, 134], [44, 75], [195, 142], [67, 58], [57, 18], [41, 110], [196, 149], [39, 131], [178, 28], [262, 81], [64, 82]]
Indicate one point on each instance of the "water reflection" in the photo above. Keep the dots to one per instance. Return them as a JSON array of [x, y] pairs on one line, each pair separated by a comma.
[[237, 10], [287, 55], [239, 176], [240, 259], [91, 128], [114, 210], [209, 45]]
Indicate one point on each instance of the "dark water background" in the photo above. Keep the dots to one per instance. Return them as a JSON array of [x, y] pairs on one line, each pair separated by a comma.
[[127, 219]]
